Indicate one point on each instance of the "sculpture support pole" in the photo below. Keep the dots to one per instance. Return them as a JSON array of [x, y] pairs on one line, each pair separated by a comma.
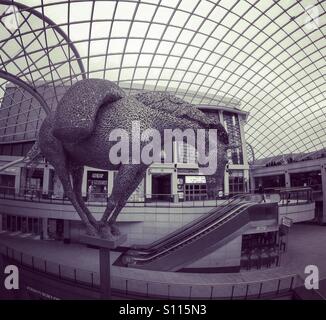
[[105, 270], [104, 246]]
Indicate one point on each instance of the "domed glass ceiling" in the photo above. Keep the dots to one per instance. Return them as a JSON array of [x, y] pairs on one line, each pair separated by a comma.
[[264, 57]]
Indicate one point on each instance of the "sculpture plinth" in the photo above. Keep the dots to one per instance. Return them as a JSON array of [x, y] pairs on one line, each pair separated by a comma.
[[104, 246]]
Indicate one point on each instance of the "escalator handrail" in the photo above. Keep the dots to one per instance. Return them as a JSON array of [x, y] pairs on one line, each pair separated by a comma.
[[217, 222], [192, 224]]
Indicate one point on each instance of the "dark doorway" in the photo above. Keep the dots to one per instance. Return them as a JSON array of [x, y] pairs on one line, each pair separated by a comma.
[[161, 187], [7, 184]]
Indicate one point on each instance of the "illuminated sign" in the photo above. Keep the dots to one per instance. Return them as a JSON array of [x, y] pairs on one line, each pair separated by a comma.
[[195, 179], [287, 222]]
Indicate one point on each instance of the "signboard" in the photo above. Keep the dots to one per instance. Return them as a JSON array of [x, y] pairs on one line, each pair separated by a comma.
[[195, 179], [287, 222], [97, 175], [187, 170]]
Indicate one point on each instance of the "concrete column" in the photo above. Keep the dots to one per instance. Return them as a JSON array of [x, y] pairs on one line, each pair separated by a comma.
[[323, 182], [175, 152], [287, 179], [84, 183], [243, 140], [246, 178], [46, 180], [110, 182], [66, 232], [221, 117], [148, 185], [17, 180], [226, 183], [45, 228], [252, 182], [105, 268], [174, 185], [23, 172]]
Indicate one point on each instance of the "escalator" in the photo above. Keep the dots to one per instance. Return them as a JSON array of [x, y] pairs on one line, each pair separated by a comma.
[[196, 239]]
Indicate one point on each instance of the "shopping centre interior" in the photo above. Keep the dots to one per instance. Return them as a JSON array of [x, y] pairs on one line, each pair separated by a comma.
[[258, 69]]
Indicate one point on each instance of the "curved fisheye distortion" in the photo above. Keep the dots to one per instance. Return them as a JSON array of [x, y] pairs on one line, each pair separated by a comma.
[[162, 149]]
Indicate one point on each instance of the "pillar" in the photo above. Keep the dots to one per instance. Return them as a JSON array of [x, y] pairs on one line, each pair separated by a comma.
[[175, 152], [246, 180], [105, 268], [148, 185], [174, 185], [104, 246], [66, 231], [45, 228], [1, 222], [46, 180], [23, 175], [110, 182], [323, 182], [226, 183], [17, 180], [252, 182], [243, 141], [287, 179]]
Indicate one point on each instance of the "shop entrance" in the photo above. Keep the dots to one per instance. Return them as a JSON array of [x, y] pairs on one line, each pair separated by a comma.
[[34, 182], [97, 183], [7, 184], [161, 187]]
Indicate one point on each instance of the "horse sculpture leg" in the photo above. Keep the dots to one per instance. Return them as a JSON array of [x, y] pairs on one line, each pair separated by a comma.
[[137, 178], [125, 183], [77, 180], [55, 154]]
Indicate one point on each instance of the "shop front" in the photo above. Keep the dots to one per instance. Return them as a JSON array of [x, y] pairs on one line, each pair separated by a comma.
[[97, 185], [7, 184], [191, 188], [23, 224]]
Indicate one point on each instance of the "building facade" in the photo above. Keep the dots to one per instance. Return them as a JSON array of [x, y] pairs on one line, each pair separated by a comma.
[[294, 171]]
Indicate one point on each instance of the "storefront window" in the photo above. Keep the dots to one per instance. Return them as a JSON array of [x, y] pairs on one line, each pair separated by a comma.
[[307, 179], [7, 184], [236, 182], [271, 182], [97, 185]]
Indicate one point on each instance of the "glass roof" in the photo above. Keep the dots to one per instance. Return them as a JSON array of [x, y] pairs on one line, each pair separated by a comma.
[[264, 57]]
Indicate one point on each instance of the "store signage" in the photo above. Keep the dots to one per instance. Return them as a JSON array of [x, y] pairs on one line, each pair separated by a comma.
[[184, 170], [195, 179], [97, 175], [287, 222], [261, 228]]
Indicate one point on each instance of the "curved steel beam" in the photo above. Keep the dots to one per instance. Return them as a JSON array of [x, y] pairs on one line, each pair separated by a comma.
[[54, 26], [252, 151], [14, 79]]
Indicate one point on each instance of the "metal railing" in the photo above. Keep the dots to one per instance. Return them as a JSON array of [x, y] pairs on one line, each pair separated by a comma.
[[100, 199], [296, 195], [142, 289]]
